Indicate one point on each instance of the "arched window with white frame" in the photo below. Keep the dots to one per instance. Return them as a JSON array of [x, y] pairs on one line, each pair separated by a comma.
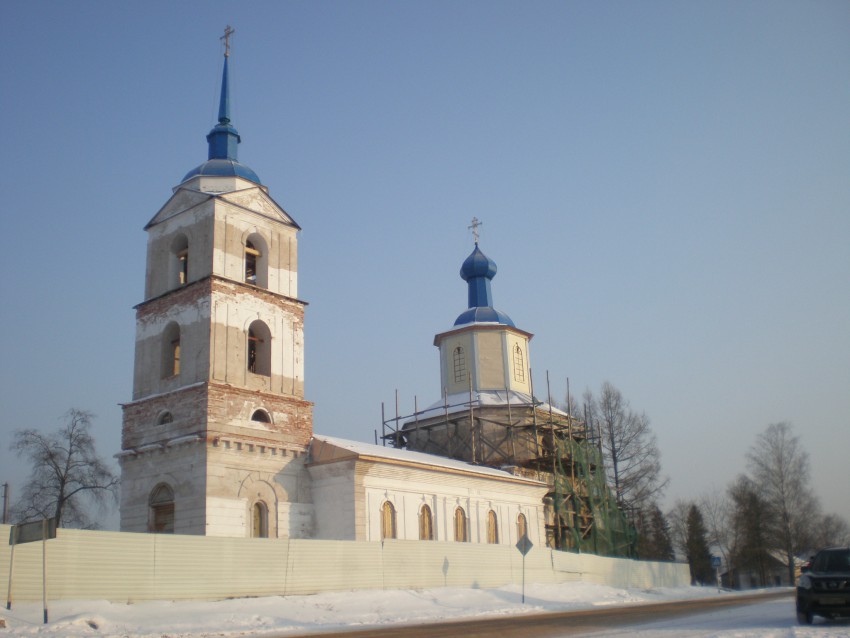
[[459, 364], [461, 532], [426, 524], [492, 528], [521, 526], [519, 365], [388, 526]]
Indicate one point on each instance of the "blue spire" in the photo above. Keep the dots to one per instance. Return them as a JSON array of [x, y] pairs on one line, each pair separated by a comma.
[[477, 271], [223, 138]]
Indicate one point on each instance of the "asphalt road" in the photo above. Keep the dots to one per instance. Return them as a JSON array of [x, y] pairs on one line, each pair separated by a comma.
[[554, 624]]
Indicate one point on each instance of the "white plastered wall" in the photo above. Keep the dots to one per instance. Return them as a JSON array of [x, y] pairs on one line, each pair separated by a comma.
[[338, 488]]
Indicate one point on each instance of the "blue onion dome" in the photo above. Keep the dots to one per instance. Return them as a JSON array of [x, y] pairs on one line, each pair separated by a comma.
[[477, 265], [477, 271]]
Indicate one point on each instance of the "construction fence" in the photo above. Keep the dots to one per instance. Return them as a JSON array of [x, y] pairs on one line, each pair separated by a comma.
[[125, 567]]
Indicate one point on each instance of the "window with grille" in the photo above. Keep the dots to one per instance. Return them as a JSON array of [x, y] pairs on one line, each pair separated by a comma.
[[459, 361], [519, 365]]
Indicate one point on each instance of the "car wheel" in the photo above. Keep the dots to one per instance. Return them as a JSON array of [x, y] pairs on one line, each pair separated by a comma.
[[804, 617]]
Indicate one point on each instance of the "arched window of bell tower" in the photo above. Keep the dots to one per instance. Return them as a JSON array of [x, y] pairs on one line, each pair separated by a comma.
[[259, 349], [171, 350], [256, 261], [459, 365], [161, 510], [179, 268], [261, 416], [519, 365]]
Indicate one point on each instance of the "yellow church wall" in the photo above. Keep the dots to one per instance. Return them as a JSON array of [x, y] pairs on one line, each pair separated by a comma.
[[463, 340], [490, 364], [522, 384]]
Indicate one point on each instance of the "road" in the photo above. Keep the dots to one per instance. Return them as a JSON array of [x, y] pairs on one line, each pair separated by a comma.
[[611, 621]]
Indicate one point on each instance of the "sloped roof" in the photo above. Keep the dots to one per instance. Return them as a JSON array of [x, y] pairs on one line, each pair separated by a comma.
[[328, 449]]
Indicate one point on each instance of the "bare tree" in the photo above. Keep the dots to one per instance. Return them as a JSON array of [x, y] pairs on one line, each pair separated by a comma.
[[717, 513], [66, 472], [831, 531], [678, 520], [632, 458], [780, 469]]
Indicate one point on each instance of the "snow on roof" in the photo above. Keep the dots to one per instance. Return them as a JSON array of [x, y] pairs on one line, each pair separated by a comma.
[[419, 458], [460, 401]]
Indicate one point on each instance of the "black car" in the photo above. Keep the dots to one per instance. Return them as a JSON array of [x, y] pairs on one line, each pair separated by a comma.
[[823, 589]]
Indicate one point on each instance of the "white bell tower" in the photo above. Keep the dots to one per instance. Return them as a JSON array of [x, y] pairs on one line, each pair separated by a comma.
[[214, 438]]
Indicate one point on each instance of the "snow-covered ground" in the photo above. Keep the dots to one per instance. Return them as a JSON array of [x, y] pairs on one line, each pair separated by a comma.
[[257, 617]]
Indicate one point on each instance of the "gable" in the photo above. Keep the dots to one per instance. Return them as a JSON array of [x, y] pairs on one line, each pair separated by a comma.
[[258, 201], [182, 200], [255, 200]]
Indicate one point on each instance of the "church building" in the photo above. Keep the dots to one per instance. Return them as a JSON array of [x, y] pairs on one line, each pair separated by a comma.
[[218, 437]]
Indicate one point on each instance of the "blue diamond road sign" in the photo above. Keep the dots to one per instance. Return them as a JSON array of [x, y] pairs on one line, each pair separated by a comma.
[[524, 545]]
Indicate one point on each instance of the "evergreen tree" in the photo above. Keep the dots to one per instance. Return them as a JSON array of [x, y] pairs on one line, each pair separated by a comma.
[[655, 541], [696, 546], [752, 520]]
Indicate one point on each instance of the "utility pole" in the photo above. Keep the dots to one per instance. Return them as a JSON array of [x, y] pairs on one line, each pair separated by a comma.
[[5, 503]]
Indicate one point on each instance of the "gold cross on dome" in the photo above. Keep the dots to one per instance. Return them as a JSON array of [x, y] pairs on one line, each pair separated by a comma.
[[474, 228], [228, 31]]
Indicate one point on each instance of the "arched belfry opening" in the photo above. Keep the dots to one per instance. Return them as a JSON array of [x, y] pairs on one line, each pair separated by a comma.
[[259, 348]]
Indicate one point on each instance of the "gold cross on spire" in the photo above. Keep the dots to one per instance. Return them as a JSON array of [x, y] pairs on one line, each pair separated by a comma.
[[474, 228], [228, 31]]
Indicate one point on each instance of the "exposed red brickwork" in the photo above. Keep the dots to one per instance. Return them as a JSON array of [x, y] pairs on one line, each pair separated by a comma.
[[236, 290], [185, 295], [188, 412], [203, 289], [292, 418], [215, 409]]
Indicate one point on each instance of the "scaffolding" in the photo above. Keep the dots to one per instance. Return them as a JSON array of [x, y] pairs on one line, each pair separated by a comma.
[[531, 439]]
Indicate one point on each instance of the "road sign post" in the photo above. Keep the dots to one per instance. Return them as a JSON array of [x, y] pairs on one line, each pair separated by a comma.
[[27, 533], [524, 546], [716, 562]]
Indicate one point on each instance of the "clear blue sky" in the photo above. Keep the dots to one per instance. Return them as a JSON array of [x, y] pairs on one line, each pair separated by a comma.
[[663, 185]]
